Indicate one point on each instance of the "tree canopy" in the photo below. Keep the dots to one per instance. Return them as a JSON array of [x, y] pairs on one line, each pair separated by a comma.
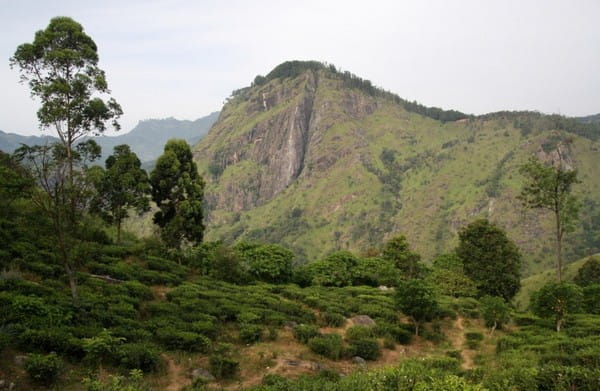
[[490, 259], [178, 189]]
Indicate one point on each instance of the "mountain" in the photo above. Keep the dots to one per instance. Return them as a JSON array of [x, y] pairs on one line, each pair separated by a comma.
[[147, 139], [318, 160]]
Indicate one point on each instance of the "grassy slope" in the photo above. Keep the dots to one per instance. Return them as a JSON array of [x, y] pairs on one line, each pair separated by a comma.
[[345, 206]]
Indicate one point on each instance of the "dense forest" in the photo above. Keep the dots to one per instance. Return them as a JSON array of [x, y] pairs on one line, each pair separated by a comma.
[[87, 305]]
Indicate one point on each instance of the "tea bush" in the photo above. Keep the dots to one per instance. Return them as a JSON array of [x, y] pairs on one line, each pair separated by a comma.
[[43, 369]]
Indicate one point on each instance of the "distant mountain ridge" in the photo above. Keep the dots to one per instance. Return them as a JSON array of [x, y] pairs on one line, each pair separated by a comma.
[[147, 138]]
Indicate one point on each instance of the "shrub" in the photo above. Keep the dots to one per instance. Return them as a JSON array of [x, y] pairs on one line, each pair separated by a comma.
[[334, 319], [400, 333], [43, 369], [139, 356], [223, 367], [184, 340], [50, 340], [328, 345], [473, 339], [304, 332], [250, 333], [358, 332], [367, 348]]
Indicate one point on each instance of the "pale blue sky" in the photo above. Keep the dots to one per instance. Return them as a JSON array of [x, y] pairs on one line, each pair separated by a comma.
[[183, 58]]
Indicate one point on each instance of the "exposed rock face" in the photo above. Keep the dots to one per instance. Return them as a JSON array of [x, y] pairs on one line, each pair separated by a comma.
[[287, 127]]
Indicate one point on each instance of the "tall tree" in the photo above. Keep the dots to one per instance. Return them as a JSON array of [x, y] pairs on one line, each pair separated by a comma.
[[61, 68], [557, 300], [62, 198], [122, 186], [177, 189], [490, 259], [549, 187]]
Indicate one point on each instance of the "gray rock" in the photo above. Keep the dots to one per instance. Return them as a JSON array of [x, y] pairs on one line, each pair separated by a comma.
[[292, 363], [12, 387], [203, 374], [363, 320], [359, 360]]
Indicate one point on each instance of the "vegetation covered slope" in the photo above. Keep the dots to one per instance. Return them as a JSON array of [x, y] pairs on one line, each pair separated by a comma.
[[320, 160]]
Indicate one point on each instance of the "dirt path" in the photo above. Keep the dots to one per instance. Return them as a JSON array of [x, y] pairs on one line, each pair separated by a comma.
[[176, 376], [458, 341]]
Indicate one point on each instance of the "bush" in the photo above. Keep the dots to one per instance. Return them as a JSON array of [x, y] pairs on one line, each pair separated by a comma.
[[223, 367], [184, 340], [50, 340], [43, 369], [139, 356], [304, 332], [400, 333], [367, 348], [250, 333], [328, 345], [473, 339], [334, 319], [358, 332]]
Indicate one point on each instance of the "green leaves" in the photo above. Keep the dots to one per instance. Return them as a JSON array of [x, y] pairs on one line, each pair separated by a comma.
[[177, 189], [490, 259]]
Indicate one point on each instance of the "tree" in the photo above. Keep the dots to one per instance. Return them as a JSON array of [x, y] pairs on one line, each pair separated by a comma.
[[549, 187], [335, 270], [490, 259], [267, 262], [495, 312], [589, 273], [122, 186], [62, 198], [557, 300], [177, 189], [417, 300], [397, 251], [61, 68], [448, 275]]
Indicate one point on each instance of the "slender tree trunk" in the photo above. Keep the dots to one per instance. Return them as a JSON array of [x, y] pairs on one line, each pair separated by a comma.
[[118, 230], [558, 247], [416, 327], [494, 328], [72, 284], [558, 325]]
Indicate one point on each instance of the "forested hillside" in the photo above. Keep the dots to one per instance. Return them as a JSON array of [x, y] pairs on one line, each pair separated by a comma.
[[320, 160]]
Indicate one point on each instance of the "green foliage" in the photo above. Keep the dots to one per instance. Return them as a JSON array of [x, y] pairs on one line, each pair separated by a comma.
[[591, 299], [557, 300], [250, 333], [142, 356], [449, 277], [267, 262], [116, 383], [102, 348], [172, 338], [328, 345], [334, 270], [396, 250], [549, 187], [495, 311], [334, 319], [589, 273], [43, 369], [359, 332], [490, 259], [367, 348], [122, 186], [61, 68], [177, 189], [473, 339], [222, 365], [305, 332], [374, 271], [417, 300]]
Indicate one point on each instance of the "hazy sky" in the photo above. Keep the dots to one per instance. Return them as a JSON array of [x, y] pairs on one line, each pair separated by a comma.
[[183, 58]]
